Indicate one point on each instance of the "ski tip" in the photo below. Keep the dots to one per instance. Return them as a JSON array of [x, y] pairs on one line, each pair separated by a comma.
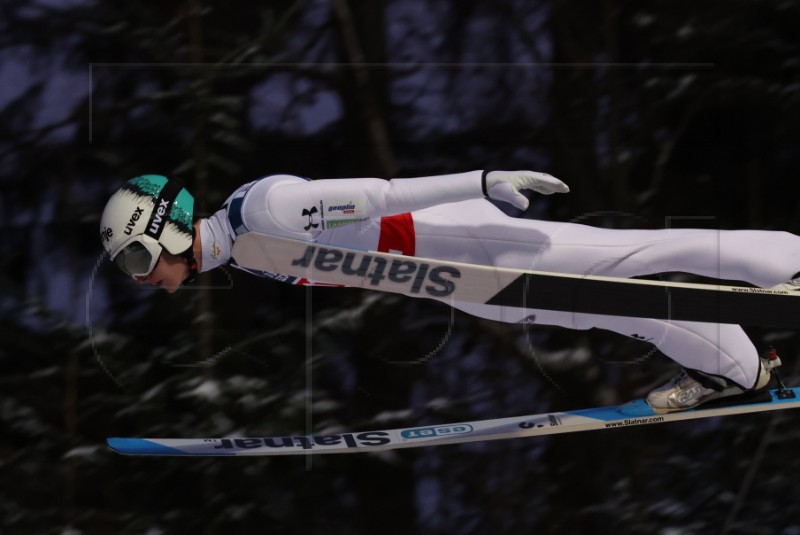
[[140, 446]]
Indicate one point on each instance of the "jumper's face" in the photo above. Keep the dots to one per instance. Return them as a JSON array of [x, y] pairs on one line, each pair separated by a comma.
[[170, 272]]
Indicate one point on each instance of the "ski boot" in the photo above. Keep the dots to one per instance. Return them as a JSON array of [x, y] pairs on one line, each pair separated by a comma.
[[692, 388]]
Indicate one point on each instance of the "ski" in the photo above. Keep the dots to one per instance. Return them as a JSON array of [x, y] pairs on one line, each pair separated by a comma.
[[310, 263], [635, 413]]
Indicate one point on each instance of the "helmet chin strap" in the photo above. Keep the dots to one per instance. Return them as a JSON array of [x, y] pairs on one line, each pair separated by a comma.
[[192, 263]]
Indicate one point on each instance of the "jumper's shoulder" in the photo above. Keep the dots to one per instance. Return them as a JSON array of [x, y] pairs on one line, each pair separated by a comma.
[[262, 185], [256, 207]]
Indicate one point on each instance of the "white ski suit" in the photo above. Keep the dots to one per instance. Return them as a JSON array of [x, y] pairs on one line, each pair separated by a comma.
[[447, 217]]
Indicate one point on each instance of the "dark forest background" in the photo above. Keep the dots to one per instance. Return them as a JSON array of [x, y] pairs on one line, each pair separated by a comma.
[[656, 113]]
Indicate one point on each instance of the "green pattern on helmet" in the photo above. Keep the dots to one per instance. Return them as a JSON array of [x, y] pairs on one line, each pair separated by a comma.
[[183, 208], [146, 185]]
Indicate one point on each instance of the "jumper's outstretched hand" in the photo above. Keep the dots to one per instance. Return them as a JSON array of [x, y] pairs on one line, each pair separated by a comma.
[[507, 185]]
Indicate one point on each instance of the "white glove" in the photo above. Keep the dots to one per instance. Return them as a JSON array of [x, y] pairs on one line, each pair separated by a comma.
[[506, 186]]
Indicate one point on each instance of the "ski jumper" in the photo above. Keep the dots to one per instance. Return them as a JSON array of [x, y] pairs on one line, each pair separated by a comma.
[[447, 217]]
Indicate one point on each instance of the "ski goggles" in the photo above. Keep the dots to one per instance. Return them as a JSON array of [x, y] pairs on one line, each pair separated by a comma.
[[138, 256]]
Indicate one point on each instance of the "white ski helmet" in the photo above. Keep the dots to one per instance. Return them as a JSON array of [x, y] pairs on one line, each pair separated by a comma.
[[148, 213]]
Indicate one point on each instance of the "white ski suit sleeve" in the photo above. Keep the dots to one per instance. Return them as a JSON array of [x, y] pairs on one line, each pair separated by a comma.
[[294, 207], [289, 203]]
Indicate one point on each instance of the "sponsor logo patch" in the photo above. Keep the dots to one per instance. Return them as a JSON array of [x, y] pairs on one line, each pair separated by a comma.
[[351, 440], [435, 431], [348, 209], [158, 216], [216, 250], [135, 216], [309, 213], [420, 277], [551, 420]]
